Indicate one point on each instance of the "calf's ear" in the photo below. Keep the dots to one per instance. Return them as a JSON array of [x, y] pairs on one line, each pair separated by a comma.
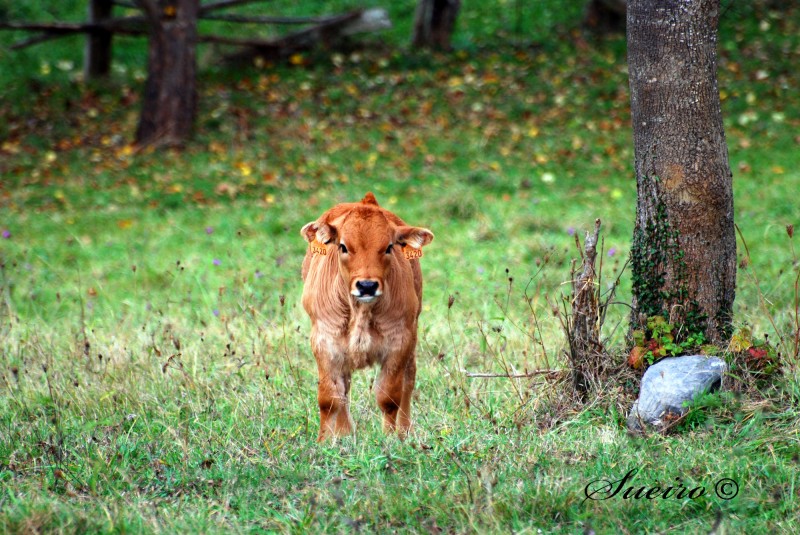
[[369, 198], [319, 231], [415, 237]]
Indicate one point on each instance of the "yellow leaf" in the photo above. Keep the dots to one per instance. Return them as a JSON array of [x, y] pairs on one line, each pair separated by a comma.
[[12, 147], [244, 168], [741, 340]]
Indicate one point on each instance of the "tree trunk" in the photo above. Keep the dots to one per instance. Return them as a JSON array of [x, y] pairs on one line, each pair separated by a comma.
[[434, 23], [97, 57], [683, 255], [170, 93]]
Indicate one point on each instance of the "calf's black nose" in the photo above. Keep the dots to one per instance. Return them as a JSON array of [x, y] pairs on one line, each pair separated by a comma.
[[367, 287]]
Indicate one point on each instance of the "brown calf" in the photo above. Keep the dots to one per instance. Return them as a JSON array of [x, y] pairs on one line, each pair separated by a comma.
[[363, 292]]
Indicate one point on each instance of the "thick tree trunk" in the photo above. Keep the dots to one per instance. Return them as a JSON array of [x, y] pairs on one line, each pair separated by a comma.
[[434, 23], [170, 93], [97, 57], [684, 249]]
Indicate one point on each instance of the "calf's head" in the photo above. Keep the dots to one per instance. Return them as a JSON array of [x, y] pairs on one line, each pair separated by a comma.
[[367, 243]]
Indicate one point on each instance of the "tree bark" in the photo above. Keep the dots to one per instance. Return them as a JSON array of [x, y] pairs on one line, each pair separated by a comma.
[[683, 255], [434, 23], [170, 93]]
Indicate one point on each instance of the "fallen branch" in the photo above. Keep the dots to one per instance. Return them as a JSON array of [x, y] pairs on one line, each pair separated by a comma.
[[326, 33], [290, 42], [527, 374]]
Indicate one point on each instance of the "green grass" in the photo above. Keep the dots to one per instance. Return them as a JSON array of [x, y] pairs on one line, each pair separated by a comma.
[[155, 374]]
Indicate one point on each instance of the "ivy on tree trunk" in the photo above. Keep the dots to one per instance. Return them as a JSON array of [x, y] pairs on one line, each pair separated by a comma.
[[683, 255]]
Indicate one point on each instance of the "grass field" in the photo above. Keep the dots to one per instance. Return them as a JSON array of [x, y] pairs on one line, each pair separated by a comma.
[[155, 374]]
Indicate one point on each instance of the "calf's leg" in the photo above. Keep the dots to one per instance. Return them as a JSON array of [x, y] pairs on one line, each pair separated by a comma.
[[333, 396], [404, 414], [344, 422], [393, 392]]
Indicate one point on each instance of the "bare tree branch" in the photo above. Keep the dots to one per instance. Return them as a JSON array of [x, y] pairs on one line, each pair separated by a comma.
[[56, 30], [268, 20], [71, 27], [586, 350], [222, 4], [35, 40], [322, 29]]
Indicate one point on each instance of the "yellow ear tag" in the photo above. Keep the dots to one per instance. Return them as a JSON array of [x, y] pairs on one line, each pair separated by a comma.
[[318, 248], [411, 253]]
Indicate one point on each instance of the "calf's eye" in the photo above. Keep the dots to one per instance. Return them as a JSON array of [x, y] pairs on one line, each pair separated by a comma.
[[389, 249], [342, 248]]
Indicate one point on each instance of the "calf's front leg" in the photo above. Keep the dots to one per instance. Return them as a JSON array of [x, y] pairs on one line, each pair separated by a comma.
[[393, 391], [333, 397], [404, 414]]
